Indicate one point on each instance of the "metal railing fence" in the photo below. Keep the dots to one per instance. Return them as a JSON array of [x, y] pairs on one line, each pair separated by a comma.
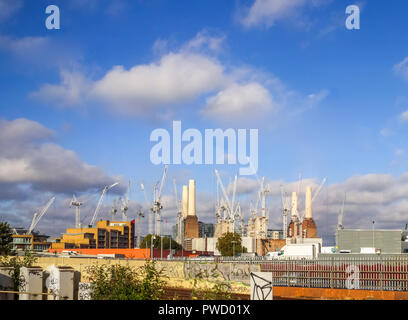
[[388, 272]]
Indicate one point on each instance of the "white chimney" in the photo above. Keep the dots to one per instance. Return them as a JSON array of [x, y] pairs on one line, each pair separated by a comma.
[[184, 202], [191, 198], [308, 203]]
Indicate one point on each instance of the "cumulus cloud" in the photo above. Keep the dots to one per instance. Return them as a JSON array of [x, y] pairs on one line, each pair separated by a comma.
[[29, 157], [176, 78], [251, 99], [182, 76], [73, 90]]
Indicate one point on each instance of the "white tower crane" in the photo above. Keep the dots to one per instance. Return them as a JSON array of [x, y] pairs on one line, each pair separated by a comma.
[[125, 204], [77, 204], [340, 217], [139, 216], [157, 205], [98, 207], [114, 210], [37, 217], [285, 210], [319, 189], [225, 204], [150, 213], [180, 231]]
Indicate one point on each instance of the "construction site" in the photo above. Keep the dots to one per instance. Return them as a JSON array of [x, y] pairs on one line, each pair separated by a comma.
[[122, 236], [363, 263]]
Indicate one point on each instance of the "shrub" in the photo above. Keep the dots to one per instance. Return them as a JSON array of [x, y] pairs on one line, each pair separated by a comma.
[[117, 282]]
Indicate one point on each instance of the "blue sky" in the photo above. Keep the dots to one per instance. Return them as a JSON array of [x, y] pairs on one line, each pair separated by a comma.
[[327, 101]]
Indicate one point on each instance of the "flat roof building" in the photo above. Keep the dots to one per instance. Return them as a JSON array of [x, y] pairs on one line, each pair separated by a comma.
[[384, 241], [106, 235]]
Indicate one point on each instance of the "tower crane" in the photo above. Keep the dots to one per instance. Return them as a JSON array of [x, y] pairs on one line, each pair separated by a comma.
[[285, 209], [125, 204], [114, 209], [180, 231], [157, 205], [319, 189], [98, 207], [37, 217], [77, 204], [150, 221], [139, 216], [340, 217]]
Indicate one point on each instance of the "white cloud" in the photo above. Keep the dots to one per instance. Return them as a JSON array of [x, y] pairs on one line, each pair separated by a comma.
[[204, 40], [73, 90], [404, 116], [268, 12], [28, 157], [402, 68], [23, 46], [246, 101], [176, 78], [158, 89]]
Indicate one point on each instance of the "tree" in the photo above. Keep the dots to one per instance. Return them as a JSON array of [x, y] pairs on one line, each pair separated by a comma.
[[157, 243], [5, 239], [230, 244]]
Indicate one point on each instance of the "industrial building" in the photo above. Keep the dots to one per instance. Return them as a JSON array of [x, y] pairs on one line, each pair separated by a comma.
[[33, 241], [106, 235], [381, 241]]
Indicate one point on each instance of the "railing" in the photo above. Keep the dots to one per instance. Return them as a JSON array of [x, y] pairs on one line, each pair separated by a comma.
[[31, 293], [387, 272]]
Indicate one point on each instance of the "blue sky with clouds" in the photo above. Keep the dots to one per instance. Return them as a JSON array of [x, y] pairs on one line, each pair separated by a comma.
[[78, 104]]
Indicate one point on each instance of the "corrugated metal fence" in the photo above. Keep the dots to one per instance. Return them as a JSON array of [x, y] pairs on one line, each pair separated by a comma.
[[377, 272]]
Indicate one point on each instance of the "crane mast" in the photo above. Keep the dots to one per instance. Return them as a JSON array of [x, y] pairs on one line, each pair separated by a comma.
[[285, 210], [180, 233], [340, 217], [157, 206], [77, 204]]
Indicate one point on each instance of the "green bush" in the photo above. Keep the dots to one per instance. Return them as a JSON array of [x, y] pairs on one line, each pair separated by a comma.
[[117, 282]]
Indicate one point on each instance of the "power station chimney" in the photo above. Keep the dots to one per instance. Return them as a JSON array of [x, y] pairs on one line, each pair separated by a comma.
[[308, 203], [191, 198], [294, 205], [184, 202]]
